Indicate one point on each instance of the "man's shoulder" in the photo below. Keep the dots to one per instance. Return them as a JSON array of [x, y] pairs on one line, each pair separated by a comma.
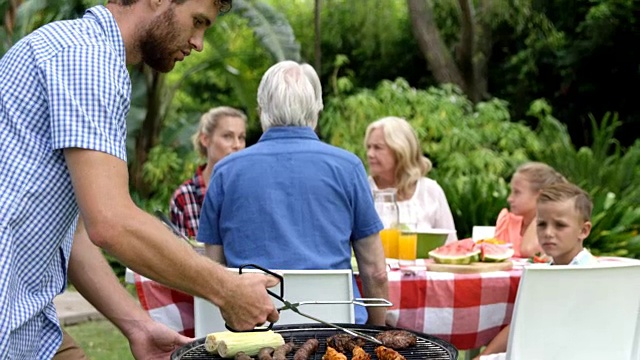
[[79, 34], [336, 154]]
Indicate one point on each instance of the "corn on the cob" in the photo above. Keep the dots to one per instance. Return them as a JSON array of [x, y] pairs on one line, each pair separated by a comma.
[[212, 340], [250, 343]]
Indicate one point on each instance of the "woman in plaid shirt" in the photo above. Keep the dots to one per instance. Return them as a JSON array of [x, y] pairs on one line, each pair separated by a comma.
[[222, 131]]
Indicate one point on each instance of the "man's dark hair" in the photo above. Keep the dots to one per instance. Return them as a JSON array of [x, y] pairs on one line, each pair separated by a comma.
[[223, 5]]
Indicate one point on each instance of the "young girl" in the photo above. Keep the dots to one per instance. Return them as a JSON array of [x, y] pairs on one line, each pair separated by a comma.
[[518, 226]]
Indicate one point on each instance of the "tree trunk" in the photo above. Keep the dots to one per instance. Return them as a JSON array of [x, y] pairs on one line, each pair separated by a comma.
[[317, 52], [466, 49], [484, 44], [431, 45], [10, 16], [149, 133]]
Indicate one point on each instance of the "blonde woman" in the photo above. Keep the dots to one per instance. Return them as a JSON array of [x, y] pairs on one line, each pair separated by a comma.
[[222, 131], [396, 161]]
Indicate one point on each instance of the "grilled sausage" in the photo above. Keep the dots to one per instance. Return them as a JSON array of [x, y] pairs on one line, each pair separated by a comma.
[[265, 353], [242, 356], [306, 350], [282, 351]]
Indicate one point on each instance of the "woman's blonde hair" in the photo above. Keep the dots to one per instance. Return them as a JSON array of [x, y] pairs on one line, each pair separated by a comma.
[[209, 123], [401, 138], [539, 175]]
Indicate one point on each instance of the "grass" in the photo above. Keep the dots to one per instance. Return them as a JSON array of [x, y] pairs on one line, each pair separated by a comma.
[[100, 340]]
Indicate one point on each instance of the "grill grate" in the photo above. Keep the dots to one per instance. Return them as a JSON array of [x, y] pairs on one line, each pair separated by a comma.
[[427, 347]]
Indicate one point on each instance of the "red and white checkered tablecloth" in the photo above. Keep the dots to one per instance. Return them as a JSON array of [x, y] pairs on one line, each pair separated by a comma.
[[168, 306], [467, 310]]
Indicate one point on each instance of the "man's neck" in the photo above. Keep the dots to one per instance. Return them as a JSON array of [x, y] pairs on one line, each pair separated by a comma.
[[129, 22]]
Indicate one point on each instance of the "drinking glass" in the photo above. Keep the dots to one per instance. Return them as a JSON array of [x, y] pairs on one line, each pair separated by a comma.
[[387, 208], [407, 245]]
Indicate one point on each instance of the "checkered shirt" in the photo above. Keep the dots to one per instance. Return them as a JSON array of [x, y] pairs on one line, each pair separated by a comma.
[[65, 85], [186, 204]]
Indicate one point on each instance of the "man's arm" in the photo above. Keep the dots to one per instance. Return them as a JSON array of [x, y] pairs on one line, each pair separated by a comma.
[[115, 224], [215, 253], [93, 278], [373, 273]]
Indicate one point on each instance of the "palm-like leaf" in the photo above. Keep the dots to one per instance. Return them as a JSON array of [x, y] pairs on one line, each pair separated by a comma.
[[271, 28]]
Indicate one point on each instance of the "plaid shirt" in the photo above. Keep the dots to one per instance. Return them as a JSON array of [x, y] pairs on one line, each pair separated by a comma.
[[186, 204], [64, 85]]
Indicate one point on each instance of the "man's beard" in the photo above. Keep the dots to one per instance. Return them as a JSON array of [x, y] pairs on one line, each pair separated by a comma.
[[157, 42]]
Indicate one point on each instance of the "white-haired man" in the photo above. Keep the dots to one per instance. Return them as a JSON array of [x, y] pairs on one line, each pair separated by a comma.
[[291, 201]]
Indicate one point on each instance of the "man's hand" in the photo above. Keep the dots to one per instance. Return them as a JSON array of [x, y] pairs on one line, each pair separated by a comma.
[[152, 340], [246, 303]]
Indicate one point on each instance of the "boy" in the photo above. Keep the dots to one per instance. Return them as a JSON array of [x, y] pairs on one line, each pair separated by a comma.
[[563, 222], [564, 213]]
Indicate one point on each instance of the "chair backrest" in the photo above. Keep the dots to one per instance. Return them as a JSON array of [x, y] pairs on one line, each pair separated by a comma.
[[299, 285], [577, 312]]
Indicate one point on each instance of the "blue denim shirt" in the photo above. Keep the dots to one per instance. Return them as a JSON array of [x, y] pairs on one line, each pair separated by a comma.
[[289, 202]]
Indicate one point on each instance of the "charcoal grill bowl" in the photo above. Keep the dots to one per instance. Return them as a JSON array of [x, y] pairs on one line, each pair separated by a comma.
[[427, 347]]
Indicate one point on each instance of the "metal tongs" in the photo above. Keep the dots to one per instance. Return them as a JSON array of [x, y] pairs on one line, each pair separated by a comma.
[[376, 302], [165, 220]]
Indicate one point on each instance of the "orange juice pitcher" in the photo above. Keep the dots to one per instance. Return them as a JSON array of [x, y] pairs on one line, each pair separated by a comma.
[[387, 208]]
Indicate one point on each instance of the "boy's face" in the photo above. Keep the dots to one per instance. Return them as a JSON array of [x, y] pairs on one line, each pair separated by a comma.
[[561, 230]]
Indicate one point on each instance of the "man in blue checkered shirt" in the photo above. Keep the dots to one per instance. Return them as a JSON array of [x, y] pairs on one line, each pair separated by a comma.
[[64, 98]]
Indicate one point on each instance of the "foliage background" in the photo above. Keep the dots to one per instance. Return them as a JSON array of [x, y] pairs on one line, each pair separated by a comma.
[[558, 76]]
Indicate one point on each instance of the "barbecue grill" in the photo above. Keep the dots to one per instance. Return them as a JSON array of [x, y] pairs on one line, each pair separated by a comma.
[[427, 346]]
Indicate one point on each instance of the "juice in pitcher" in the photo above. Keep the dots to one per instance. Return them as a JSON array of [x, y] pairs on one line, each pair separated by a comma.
[[389, 239]]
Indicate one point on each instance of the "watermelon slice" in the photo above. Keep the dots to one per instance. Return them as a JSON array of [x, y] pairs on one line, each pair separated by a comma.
[[461, 252], [494, 252]]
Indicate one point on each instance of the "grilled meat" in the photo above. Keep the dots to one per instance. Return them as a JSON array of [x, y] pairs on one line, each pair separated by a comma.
[[265, 353], [306, 350], [242, 356], [281, 352], [344, 343], [333, 354], [384, 353], [397, 339], [360, 354]]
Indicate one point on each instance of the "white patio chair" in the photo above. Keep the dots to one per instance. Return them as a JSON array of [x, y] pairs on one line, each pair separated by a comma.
[[577, 312], [299, 285]]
